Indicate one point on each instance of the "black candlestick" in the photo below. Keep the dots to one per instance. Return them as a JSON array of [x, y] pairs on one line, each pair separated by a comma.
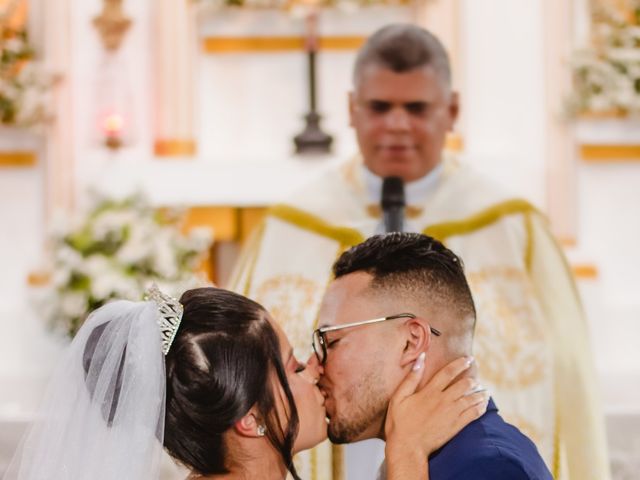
[[312, 139]]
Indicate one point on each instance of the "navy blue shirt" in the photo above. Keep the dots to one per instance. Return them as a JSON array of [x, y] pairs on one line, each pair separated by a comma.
[[488, 449]]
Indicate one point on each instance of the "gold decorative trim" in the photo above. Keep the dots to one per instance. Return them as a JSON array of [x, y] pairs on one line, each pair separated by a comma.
[[277, 44], [603, 115], [454, 142], [314, 462], [556, 445], [175, 148], [255, 249], [337, 460], [18, 159], [610, 153], [112, 24], [479, 220], [250, 219], [39, 279], [567, 242], [222, 220], [528, 254], [14, 14], [585, 271], [307, 221], [349, 236]]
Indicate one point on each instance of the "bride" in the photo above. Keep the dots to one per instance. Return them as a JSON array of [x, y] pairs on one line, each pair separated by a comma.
[[212, 378]]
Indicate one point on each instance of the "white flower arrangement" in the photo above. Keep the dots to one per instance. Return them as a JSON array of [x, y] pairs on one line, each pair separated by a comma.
[[607, 76], [116, 250], [24, 85]]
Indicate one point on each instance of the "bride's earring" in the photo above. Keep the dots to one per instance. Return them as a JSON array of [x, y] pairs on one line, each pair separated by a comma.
[[261, 430]]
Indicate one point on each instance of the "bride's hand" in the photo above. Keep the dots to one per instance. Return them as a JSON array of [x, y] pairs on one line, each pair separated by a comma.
[[423, 421]]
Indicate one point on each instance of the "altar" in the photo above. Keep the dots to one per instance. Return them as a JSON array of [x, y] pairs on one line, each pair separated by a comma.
[[197, 108]]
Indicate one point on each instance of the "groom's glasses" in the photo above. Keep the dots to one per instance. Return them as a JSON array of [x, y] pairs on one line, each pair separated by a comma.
[[319, 339]]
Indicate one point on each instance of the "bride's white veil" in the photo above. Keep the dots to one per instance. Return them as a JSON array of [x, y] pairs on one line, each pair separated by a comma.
[[103, 414]]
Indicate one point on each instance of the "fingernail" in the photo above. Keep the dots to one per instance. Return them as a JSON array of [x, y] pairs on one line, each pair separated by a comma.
[[470, 360], [419, 362], [477, 389]]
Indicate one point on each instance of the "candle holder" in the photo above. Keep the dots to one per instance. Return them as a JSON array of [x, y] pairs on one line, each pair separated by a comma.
[[312, 140], [112, 127], [113, 96]]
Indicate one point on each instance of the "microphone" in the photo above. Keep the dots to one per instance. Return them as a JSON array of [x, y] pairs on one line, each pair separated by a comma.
[[393, 203]]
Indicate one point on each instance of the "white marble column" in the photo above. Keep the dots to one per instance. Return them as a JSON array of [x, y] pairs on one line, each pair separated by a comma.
[[28, 195], [55, 42], [442, 18], [560, 163], [175, 84]]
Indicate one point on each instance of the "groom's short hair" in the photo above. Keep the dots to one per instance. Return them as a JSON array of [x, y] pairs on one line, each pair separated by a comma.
[[421, 268]]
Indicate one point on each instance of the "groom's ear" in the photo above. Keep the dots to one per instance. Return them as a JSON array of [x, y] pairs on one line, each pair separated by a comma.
[[416, 338], [247, 426]]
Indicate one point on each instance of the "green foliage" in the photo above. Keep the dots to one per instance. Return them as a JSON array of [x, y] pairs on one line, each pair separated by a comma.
[[116, 249]]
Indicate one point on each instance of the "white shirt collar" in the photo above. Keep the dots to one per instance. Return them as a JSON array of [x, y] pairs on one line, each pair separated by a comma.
[[415, 192]]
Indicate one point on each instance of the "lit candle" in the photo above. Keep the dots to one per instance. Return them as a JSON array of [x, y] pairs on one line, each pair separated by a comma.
[[112, 126]]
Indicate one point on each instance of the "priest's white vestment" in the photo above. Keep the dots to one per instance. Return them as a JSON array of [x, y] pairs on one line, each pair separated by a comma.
[[531, 339]]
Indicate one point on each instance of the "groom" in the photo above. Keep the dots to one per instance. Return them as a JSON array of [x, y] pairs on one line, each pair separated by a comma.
[[415, 289]]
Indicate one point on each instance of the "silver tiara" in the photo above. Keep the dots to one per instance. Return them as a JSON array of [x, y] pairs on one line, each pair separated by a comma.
[[169, 315]]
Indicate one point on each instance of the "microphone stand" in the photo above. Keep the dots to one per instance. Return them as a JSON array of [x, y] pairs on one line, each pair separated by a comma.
[[393, 204]]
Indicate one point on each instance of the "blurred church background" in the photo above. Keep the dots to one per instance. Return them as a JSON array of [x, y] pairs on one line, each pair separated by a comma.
[[195, 104]]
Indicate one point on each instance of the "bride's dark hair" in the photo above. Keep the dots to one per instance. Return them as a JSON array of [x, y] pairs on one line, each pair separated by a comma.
[[219, 366]]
